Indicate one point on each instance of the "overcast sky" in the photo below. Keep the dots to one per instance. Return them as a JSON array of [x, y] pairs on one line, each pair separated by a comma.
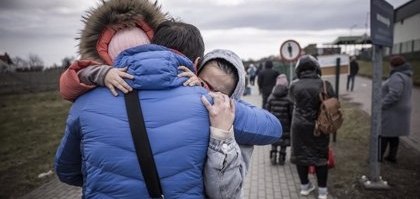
[[252, 28]]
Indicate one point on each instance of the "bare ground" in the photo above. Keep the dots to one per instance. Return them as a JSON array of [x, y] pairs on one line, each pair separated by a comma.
[[351, 152]]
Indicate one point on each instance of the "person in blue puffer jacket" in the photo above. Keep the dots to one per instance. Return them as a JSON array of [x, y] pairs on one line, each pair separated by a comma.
[[97, 152]]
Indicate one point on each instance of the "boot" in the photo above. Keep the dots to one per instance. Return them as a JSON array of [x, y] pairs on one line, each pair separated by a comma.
[[282, 158], [273, 156], [393, 149]]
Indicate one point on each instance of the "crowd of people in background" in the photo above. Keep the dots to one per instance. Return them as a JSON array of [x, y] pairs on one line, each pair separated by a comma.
[[296, 106]]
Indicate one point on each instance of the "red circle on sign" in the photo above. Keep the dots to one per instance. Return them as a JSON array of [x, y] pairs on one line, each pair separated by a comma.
[[290, 58]]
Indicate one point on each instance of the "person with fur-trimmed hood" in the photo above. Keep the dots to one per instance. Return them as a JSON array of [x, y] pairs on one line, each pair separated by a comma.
[[101, 26]]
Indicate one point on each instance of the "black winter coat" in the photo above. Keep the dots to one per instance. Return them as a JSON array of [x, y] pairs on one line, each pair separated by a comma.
[[266, 80], [308, 149], [279, 105], [354, 68]]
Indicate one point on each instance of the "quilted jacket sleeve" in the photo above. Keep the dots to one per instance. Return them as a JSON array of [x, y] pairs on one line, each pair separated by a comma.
[[255, 126], [68, 160], [70, 85]]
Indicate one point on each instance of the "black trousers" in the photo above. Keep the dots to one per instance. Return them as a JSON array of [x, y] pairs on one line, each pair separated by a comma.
[[252, 80], [393, 143], [350, 81], [264, 99], [321, 174]]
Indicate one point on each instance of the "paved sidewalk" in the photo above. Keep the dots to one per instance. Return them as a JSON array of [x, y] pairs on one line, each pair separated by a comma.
[[271, 181]]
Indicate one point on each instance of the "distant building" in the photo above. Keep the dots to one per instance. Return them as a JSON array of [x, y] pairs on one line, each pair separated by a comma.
[[407, 28], [6, 63], [312, 49]]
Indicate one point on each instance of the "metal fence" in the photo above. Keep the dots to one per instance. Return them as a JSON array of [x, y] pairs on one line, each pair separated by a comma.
[[31, 81]]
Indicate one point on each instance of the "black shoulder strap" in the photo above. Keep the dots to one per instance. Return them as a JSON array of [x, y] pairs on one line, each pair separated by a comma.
[[142, 145]]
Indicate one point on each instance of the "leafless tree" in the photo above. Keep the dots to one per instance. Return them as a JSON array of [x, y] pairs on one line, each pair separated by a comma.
[[35, 62], [66, 61], [20, 62]]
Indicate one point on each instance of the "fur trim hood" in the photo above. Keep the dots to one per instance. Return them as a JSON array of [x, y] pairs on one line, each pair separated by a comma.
[[102, 22]]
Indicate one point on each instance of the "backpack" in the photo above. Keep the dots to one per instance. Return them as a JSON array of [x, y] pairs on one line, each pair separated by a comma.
[[329, 118]]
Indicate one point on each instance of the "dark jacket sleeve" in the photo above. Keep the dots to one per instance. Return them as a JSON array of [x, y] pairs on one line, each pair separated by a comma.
[[268, 104], [254, 125], [260, 80], [68, 161], [291, 107]]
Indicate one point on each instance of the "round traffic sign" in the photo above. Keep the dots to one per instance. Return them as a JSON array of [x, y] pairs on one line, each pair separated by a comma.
[[290, 50]]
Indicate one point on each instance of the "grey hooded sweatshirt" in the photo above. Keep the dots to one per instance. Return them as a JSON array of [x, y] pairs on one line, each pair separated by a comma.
[[225, 158]]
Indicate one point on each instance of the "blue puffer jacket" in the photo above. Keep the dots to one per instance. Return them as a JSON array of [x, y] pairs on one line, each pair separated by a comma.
[[97, 151]]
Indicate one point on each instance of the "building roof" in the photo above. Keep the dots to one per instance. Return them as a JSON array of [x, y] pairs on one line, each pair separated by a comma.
[[347, 40], [6, 58], [406, 10]]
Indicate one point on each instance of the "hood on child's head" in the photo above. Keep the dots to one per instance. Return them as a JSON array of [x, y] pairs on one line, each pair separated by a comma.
[[108, 19], [235, 60], [282, 80]]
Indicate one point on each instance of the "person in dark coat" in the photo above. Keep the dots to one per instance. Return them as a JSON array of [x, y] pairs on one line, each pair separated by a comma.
[[354, 69], [266, 81], [308, 149], [279, 105], [396, 106]]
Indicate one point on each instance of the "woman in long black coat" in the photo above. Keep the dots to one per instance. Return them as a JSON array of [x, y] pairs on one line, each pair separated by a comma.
[[308, 149]]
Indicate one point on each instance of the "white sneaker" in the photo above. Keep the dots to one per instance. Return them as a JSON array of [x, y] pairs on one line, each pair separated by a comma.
[[306, 189], [322, 193]]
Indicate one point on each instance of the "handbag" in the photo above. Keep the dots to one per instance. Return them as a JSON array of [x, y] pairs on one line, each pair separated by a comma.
[[142, 145]]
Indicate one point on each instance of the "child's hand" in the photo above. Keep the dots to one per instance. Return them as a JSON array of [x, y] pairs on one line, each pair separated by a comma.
[[193, 79], [114, 79]]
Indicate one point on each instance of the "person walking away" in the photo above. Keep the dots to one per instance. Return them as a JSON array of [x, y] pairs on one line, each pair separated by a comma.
[[279, 105], [252, 71], [266, 81], [354, 69], [396, 106], [309, 149]]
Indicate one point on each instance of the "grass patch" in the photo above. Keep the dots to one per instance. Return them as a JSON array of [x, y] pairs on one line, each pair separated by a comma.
[[351, 153], [31, 126], [366, 69]]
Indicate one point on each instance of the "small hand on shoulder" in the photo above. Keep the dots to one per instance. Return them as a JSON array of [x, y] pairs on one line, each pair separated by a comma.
[[193, 79], [115, 79]]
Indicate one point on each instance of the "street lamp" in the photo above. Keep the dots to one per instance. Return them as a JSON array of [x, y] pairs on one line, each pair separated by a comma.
[[366, 23], [351, 28]]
